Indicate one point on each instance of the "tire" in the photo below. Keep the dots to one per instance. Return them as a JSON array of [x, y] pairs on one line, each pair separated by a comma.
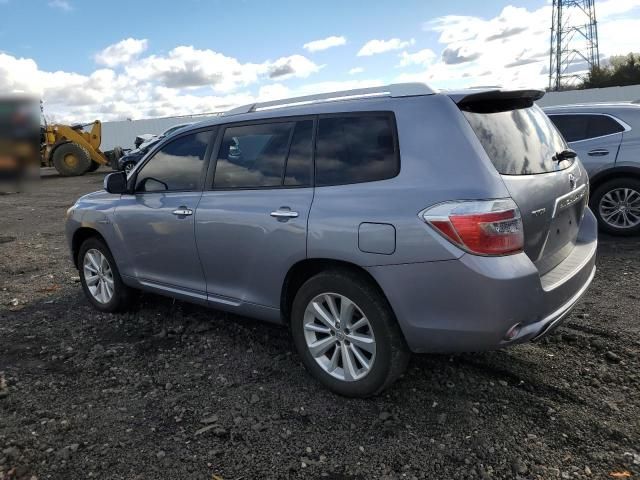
[[93, 167], [390, 353], [114, 156], [121, 297], [128, 166], [618, 192], [71, 160]]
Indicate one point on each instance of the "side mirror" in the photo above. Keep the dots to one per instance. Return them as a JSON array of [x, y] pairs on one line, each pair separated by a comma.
[[116, 182]]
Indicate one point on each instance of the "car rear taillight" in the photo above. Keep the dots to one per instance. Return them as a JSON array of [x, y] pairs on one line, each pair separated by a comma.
[[485, 227]]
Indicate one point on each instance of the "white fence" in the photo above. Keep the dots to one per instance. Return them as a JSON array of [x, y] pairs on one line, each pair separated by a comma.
[[592, 95], [123, 133]]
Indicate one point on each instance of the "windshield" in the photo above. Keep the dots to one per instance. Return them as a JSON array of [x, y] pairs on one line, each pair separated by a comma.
[[522, 141]]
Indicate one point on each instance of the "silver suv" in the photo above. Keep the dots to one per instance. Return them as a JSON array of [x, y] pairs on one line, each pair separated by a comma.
[[373, 223], [607, 140]]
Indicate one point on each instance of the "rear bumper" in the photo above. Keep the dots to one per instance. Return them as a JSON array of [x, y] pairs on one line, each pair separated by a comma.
[[549, 323], [470, 303]]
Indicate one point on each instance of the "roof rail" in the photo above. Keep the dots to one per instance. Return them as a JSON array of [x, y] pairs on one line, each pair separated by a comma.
[[393, 90]]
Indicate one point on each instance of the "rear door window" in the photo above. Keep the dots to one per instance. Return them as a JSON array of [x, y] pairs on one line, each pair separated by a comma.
[[583, 127], [601, 125], [265, 155], [355, 148], [522, 141]]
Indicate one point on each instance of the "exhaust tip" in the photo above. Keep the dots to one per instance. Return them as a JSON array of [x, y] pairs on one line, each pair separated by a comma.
[[512, 333]]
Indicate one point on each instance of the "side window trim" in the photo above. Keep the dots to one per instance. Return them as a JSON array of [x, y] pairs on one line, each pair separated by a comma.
[[131, 182], [286, 159], [359, 113], [626, 127], [211, 170]]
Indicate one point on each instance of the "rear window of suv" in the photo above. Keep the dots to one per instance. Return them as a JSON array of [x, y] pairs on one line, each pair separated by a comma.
[[522, 141], [355, 148], [583, 126]]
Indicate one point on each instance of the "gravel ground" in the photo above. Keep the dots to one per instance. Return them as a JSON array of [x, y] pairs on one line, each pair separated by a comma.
[[174, 391]]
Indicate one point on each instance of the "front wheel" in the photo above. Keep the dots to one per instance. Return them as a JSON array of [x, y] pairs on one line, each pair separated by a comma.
[[347, 335], [616, 204], [101, 279]]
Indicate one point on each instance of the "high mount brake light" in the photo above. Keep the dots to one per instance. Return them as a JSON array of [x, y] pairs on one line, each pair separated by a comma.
[[485, 227]]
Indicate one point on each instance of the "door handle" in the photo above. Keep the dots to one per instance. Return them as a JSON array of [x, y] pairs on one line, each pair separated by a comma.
[[282, 213], [183, 211], [598, 152]]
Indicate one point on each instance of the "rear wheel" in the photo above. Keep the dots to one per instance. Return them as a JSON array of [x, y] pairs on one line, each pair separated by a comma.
[[101, 279], [616, 204], [71, 160], [347, 335]]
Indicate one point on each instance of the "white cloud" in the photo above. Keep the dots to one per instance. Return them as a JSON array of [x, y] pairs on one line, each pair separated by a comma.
[[336, 86], [615, 7], [61, 4], [293, 66], [325, 43], [509, 49], [188, 67], [374, 47], [274, 91], [19, 75], [421, 57], [184, 81], [512, 48], [122, 52], [278, 91]]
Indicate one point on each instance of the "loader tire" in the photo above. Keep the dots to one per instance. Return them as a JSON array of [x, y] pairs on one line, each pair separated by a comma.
[[118, 152], [71, 160], [94, 166]]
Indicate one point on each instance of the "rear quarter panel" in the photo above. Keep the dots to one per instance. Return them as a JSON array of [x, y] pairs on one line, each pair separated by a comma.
[[439, 161], [629, 153]]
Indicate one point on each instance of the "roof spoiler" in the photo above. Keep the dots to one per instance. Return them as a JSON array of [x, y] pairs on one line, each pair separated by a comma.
[[495, 100]]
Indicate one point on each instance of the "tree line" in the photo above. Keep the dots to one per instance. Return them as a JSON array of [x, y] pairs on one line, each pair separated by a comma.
[[619, 71]]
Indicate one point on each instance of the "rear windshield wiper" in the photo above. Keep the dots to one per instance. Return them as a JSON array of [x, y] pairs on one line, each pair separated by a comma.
[[567, 154]]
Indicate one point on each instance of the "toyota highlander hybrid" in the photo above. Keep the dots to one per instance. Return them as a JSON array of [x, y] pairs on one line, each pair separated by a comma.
[[373, 223]]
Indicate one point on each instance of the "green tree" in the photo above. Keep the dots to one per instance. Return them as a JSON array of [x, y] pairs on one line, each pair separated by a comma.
[[621, 70]]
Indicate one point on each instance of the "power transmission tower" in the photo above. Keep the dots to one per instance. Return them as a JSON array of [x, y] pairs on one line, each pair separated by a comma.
[[574, 42]]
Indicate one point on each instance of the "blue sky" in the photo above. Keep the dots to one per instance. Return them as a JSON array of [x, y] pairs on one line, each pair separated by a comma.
[[249, 30], [115, 59]]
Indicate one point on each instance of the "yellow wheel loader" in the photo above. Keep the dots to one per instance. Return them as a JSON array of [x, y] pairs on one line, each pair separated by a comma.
[[74, 151]]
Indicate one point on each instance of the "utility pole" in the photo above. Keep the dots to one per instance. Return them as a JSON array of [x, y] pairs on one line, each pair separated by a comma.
[[574, 42]]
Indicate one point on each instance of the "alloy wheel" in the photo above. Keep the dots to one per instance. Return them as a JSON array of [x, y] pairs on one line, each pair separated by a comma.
[[620, 208], [339, 337], [98, 276]]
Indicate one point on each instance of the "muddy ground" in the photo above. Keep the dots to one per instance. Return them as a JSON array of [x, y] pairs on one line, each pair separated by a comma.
[[174, 391]]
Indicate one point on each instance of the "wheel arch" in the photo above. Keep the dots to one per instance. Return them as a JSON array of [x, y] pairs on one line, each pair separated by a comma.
[[613, 173], [79, 237], [303, 270]]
